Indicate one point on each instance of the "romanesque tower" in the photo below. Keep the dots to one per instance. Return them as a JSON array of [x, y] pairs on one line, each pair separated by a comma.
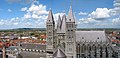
[[50, 24], [70, 47]]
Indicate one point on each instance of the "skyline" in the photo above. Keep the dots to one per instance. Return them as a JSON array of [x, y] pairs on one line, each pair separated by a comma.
[[33, 13]]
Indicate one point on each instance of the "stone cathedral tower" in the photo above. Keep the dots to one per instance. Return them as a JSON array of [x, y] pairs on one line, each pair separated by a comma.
[[70, 47], [50, 24], [64, 36]]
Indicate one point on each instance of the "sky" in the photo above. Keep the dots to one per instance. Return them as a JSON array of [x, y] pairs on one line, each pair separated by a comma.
[[33, 13]]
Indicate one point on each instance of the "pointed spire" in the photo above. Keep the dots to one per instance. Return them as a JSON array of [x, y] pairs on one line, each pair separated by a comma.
[[63, 26], [50, 17], [58, 24], [59, 54], [70, 17]]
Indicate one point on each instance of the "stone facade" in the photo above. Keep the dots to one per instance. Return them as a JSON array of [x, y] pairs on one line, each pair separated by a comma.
[[76, 44]]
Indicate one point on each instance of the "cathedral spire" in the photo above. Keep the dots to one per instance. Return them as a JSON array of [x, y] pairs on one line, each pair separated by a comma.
[[58, 24], [50, 17], [63, 24], [70, 17]]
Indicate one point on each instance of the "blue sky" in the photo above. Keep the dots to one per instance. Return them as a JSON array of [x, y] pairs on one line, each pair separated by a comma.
[[33, 13]]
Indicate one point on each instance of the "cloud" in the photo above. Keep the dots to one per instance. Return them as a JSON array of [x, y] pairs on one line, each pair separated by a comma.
[[116, 21], [9, 10], [100, 13], [38, 9], [28, 24], [87, 20], [24, 9], [116, 9], [27, 16], [82, 13]]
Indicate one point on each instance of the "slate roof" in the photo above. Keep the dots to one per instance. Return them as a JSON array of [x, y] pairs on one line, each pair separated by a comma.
[[33, 46], [92, 36], [59, 24], [59, 54], [50, 17], [63, 24], [13, 48], [70, 17]]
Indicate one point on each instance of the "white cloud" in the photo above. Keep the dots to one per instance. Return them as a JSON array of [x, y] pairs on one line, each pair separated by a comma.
[[24, 9], [28, 24], [2, 22], [27, 16], [34, 16], [87, 20], [9, 10], [116, 21], [82, 13], [100, 13], [116, 9], [16, 23], [38, 9]]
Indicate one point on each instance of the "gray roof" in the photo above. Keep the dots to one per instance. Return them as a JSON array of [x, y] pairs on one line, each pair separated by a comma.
[[13, 48], [59, 54], [63, 24], [50, 17], [59, 24], [70, 17], [33, 46], [92, 36]]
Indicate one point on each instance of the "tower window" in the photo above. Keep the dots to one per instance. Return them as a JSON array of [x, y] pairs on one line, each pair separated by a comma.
[[98, 38], [69, 19], [82, 37], [49, 20]]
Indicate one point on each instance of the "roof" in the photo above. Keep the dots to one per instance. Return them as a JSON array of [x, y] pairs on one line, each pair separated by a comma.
[[63, 24], [50, 17], [92, 36], [70, 17], [33, 46], [59, 24], [59, 53], [13, 48]]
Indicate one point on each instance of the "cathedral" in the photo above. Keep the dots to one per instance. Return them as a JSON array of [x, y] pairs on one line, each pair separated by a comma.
[[74, 43]]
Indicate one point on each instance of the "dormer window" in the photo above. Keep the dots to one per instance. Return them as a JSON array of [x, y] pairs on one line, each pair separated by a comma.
[[69, 19]]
